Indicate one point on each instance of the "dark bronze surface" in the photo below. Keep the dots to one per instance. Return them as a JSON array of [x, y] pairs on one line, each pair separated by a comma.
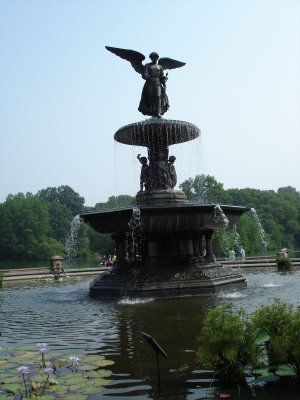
[[154, 100]]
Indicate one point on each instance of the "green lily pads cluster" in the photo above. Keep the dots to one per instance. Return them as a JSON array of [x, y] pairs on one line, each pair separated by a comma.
[[76, 381]]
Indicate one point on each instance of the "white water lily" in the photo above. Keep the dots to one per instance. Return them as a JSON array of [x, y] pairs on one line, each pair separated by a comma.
[[23, 369], [74, 360]]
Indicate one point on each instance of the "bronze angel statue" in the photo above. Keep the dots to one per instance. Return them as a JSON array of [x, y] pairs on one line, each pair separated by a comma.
[[154, 100]]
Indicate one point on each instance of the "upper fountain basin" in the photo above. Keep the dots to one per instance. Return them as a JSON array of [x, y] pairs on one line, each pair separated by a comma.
[[165, 218], [157, 131]]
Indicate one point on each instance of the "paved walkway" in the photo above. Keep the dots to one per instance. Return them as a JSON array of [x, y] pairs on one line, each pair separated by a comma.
[[38, 273]]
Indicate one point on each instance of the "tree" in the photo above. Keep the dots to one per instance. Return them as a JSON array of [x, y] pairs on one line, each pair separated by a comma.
[[60, 217], [63, 195], [24, 231], [100, 243], [279, 214], [121, 201], [205, 189]]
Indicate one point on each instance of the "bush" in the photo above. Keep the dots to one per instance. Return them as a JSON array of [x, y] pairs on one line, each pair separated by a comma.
[[283, 262], [282, 323], [231, 341], [228, 343]]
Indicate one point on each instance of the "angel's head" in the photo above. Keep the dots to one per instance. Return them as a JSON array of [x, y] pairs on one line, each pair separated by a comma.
[[153, 56]]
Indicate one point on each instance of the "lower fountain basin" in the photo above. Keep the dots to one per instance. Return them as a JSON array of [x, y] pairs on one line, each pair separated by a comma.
[[165, 218], [170, 261]]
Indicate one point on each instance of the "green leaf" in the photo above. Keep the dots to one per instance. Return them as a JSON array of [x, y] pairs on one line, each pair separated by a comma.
[[261, 371], [285, 370], [10, 378], [99, 373], [267, 378], [262, 337], [11, 387]]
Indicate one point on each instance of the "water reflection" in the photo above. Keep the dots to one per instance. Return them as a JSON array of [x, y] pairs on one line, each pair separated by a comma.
[[63, 315]]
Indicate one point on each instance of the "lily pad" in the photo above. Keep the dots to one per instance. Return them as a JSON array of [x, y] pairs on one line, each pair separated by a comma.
[[99, 373], [262, 337], [11, 387], [267, 378], [285, 370]]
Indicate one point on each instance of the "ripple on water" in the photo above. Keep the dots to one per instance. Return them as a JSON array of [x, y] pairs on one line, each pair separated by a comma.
[[271, 285], [231, 295], [127, 301]]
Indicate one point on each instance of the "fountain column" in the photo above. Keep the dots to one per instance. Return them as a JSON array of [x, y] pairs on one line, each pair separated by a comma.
[[209, 249], [120, 246], [151, 249], [196, 247]]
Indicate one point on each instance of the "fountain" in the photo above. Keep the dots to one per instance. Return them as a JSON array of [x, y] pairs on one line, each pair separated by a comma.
[[160, 242]]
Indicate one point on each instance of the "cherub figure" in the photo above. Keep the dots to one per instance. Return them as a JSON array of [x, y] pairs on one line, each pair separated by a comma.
[[172, 172], [154, 100], [145, 173]]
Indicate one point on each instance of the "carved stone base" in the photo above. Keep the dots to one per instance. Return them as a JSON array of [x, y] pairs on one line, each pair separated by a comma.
[[167, 196], [140, 282]]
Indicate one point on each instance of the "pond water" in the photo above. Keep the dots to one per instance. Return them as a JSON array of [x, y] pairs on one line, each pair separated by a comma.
[[63, 315]]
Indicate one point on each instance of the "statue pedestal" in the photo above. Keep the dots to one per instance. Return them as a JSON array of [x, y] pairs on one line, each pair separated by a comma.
[[163, 196], [160, 281]]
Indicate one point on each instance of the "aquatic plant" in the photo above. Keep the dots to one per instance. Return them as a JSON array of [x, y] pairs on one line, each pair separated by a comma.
[[265, 344], [228, 343], [283, 262], [273, 319], [53, 378], [43, 349], [282, 322]]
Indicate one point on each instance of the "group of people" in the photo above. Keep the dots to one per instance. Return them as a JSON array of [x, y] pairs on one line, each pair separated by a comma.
[[107, 261], [231, 255]]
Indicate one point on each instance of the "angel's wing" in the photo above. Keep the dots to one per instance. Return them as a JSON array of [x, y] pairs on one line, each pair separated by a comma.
[[134, 57], [169, 63]]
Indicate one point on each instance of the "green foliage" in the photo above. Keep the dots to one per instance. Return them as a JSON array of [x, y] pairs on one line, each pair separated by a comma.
[[104, 244], [268, 342], [279, 214], [1, 278], [227, 343], [224, 240], [205, 189], [24, 228], [121, 201], [282, 322], [283, 262], [63, 195], [274, 318]]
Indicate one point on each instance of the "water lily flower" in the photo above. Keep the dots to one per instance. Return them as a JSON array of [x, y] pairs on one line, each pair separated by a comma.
[[41, 345], [43, 350], [49, 370], [23, 369], [74, 360]]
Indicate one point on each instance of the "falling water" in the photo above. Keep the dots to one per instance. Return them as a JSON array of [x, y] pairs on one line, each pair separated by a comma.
[[220, 216], [135, 235], [237, 242], [261, 231], [71, 245]]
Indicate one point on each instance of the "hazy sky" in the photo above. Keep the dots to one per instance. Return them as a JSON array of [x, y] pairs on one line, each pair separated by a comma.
[[63, 95]]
